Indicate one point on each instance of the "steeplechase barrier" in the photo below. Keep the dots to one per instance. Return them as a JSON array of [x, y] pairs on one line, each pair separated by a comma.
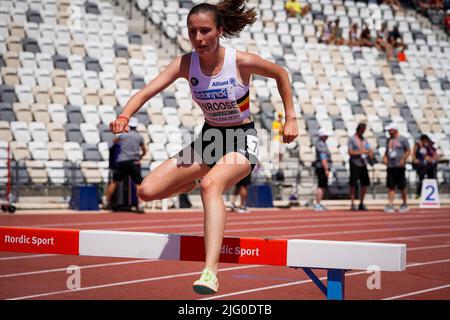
[[336, 257]]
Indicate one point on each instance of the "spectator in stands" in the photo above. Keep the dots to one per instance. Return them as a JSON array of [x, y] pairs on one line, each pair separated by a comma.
[[360, 154], [226, 149], [424, 160], [382, 41], [436, 12], [395, 4], [337, 34], [395, 157], [132, 149], [294, 9], [277, 134], [447, 22], [353, 40], [326, 35], [395, 40], [365, 39], [323, 166], [424, 6], [241, 189]]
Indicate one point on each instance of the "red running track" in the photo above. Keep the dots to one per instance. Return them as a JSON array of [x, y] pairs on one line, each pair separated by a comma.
[[425, 231]]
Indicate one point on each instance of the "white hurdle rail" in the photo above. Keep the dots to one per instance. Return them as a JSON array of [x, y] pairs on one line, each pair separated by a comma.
[[336, 257]]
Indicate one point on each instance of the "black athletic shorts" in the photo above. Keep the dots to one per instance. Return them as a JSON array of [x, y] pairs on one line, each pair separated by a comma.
[[396, 177], [214, 142], [322, 179], [359, 173], [246, 181], [128, 168]]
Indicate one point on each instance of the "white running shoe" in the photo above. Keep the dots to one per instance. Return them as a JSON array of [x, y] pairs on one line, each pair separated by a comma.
[[207, 284], [403, 208]]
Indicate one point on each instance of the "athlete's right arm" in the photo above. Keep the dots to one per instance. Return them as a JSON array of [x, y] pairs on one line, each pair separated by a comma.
[[176, 69]]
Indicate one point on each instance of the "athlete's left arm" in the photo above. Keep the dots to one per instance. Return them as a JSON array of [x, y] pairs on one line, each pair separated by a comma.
[[249, 63]]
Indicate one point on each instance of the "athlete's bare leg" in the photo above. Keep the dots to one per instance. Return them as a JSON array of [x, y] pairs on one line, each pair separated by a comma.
[[222, 176]]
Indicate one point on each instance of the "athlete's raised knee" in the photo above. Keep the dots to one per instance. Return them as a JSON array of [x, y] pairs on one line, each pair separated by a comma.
[[210, 186], [148, 193]]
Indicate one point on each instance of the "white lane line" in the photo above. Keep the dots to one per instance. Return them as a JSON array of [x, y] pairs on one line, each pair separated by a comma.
[[196, 273], [358, 231], [430, 247], [307, 281], [27, 257], [81, 267], [417, 292], [290, 221], [240, 218], [436, 235], [115, 284]]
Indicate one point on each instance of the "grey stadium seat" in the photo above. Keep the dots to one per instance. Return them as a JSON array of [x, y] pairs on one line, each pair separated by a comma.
[[445, 84], [92, 64], [106, 134], [74, 174], [34, 16], [121, 51], [73, 132], [7, 94], [91, 152], [7, 112], [381, 140], [74, 114], [23, 177], [91, 7], [379, 81], [61, 62], [137, 82], [169, 100], [143, 117], [134, 38], [30, 45], [338, 123]]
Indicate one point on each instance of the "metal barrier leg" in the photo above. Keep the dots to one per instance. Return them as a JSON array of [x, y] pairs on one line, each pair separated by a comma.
[[336, 284]]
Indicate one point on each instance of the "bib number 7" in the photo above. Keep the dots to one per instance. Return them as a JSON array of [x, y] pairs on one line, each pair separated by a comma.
[[252, 145]]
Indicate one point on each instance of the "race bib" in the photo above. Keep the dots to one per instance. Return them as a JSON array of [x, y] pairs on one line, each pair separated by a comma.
[[392, 153], [253, 145]]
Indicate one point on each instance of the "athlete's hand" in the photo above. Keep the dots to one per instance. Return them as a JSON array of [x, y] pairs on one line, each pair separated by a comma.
[[119, 125], [290, 130]]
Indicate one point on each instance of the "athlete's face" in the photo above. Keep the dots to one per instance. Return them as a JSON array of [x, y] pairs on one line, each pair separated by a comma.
[[203, 32]]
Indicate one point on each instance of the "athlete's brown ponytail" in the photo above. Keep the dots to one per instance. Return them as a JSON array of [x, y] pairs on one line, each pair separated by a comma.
[[232, 15]]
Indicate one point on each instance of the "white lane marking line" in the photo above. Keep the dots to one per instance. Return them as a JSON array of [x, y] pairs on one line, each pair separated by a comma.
[[81, 267], [114, 284], [360, 231], [27, 257], [417, 292], [436, 235], [239, 218], [307, 281], [194, 273], [291, 221], [430, 247]]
